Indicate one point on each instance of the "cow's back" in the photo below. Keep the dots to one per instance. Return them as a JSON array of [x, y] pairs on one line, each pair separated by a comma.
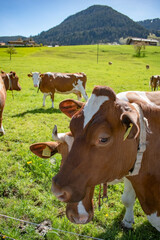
[[61, 82], [151, 98]]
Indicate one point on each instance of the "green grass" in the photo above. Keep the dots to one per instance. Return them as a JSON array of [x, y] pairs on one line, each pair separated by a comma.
[[25, 188]]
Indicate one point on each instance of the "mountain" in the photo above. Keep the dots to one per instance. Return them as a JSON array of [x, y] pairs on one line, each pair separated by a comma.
[[94, 25], [151, 24]]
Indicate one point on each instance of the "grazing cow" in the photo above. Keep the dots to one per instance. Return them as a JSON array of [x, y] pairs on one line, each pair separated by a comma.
[[82, 212], [113, 139], [8, 81], [147, 66], [110, 63], [154, 82], [63, 83]]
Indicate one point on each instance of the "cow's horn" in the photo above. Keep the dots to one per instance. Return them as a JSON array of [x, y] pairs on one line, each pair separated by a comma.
[[54, 133]]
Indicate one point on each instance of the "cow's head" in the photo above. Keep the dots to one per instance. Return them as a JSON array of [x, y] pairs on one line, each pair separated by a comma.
[[14, 81], [36, 78], [105, 144], [11, 81], [80, 212]]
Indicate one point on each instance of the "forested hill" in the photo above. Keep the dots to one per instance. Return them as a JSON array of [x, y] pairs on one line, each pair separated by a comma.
[[94, 25], [151, 24]]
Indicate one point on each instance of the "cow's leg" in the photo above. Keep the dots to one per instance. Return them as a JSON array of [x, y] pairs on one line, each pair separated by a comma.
[[44, 98], [2, 132], [52, 99], [128, 199], [79, 96]]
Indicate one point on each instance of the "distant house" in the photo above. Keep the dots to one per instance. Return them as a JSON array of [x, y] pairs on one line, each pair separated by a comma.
[[2, 44], [150, 42], [23, 43]]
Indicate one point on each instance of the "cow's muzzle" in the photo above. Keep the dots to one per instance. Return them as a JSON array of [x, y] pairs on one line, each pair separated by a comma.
[[62, 194], [78, 218]]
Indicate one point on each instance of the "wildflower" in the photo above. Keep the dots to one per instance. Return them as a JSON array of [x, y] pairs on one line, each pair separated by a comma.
[[106, 215], [29, 162]]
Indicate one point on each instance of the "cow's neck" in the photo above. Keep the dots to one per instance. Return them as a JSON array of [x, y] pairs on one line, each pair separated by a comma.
[[9, 82], [142, 141]]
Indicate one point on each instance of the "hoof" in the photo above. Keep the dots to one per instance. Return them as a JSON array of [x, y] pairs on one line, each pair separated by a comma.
[[126, 225]]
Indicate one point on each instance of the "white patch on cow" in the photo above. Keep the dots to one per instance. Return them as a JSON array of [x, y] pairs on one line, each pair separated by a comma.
[[69, 140], [128, 199], [1, 86], [36, 78], [44, 98], [81, 210], [115, 181], [10, 82], [2, 132], [79, 87], [122, 96], [154, 220], [142, 95], [92, 106], [78, 75], [63, 137], [62, 75], [49, 73]]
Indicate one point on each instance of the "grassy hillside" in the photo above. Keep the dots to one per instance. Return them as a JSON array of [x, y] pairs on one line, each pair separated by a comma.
[[25, 180]]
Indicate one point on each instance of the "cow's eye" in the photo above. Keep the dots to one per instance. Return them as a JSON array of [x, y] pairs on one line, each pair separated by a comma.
[[103, 140]]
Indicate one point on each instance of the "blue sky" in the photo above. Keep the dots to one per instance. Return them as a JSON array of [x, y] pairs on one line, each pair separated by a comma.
[[31, 17]]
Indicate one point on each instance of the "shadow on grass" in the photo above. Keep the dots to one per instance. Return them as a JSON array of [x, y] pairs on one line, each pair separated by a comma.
[[39, 110], [114, 231]]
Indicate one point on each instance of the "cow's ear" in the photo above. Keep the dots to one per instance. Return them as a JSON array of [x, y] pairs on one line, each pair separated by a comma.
[[70, 107], [44, 149], [41, 75], [129, 119], [13, 74], [29, 75], [2, 71]]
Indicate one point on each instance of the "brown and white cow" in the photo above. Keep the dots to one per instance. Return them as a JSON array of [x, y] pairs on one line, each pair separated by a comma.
[[8, 81], [154, 82], [82, 212], [112, 141], [49, 83]]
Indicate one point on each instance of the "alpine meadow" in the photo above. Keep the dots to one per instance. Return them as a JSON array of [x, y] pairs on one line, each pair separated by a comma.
[[25, 179]]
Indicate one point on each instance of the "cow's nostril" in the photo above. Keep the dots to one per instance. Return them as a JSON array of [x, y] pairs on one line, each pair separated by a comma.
[[59, 192], [64, 197]]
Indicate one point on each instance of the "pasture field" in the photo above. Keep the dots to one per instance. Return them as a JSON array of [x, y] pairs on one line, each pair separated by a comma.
[[25, 179]]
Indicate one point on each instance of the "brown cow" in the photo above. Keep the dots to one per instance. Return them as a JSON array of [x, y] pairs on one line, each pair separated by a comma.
[[8, 81], [82, 212], [49, 83], [112, 141], [154, 82]]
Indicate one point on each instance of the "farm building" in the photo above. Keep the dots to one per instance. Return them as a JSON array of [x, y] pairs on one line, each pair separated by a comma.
[[150, 42], [20, 42], [2, 44]]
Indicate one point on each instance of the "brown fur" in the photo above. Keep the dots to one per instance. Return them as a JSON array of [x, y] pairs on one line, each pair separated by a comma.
[[91, 164], [154, 82], [4, 86]]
